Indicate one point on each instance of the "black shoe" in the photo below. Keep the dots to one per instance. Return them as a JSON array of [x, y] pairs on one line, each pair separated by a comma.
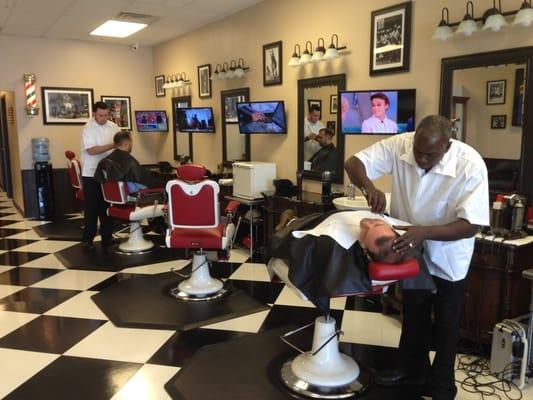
[[396, 377], [88, 246], [109, 243]]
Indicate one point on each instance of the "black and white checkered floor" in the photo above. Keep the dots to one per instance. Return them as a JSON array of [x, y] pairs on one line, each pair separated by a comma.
[[55, 343]]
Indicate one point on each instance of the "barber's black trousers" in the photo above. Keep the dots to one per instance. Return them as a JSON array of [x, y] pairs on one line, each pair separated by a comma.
[[419, 333], [95, 208]]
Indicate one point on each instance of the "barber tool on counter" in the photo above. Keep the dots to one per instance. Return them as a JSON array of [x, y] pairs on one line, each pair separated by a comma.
[[508, 216]]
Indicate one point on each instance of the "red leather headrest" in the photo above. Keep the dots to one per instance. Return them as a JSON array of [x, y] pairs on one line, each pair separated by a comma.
[[70, 155], [191, 172], [379, 271]]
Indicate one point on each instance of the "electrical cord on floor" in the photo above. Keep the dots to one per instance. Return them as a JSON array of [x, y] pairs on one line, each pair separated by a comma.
[[491, 386], [174, 270]]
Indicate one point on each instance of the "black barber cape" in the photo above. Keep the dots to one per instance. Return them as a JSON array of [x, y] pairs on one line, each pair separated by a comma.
[[321, 268]]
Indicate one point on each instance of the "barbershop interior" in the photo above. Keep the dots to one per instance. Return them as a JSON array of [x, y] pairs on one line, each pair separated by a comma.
[[266, 199]]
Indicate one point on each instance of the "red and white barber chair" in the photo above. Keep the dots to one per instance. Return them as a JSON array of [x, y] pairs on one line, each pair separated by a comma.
[[74, 173], [324, 372], [144, 204], [194, 223]]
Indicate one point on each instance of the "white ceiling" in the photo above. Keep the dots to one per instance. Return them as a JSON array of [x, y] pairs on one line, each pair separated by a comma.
[[75, 19]]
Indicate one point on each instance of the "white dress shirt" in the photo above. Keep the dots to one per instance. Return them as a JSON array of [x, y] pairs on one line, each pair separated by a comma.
[[375, 125], [94, 134], [457, 187]]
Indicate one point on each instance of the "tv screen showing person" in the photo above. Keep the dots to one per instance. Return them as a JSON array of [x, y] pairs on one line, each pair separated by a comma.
[[377, 112], [151, 121], [196, 119], [262, 117]]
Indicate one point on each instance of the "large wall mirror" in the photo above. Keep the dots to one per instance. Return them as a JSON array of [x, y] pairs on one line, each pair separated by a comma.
[[235, 146], [489, 95], [182, 140], [317, 107]]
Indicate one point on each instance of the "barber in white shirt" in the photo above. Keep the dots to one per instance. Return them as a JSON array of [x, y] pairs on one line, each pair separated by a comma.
[[440, 186], [312, 126], [379, 122]]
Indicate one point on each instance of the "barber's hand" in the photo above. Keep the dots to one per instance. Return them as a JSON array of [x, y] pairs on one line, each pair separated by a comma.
[[413, 237], [257, 116], [376, 200]]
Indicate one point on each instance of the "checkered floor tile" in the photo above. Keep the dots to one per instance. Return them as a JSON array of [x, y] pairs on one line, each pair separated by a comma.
[[56, 343]]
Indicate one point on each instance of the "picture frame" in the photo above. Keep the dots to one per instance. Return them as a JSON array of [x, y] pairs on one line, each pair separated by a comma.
[[496, 92], [160, 91], [230, 108], [119, 110], [498, 121], [314, 102], [390, 39], [67, 106], [204, 81], [333, 104], [273, 63], [518, 97], [332, 125]]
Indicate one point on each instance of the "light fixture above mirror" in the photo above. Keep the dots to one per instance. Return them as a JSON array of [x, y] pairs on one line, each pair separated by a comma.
[[320, 53], [232, 70]]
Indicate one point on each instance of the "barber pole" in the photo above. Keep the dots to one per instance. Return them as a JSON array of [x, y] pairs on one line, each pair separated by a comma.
[[31, 99]]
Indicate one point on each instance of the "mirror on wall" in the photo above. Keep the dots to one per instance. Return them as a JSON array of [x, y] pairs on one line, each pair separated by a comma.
[[487, 96], [317, 109], [182, 140], [235, 146]]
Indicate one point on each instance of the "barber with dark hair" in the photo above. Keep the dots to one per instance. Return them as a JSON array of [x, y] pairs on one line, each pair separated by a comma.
[[325, 159], [439, 185], [96, 143]]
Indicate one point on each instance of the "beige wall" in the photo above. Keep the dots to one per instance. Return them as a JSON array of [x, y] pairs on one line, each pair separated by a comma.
[[244, 34], [491, 143], [14, 154], [108, 69]]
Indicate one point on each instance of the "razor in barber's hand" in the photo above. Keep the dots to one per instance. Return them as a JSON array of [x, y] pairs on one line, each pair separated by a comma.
[[375, 198]]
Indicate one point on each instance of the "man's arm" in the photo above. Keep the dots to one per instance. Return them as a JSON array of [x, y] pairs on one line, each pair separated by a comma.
[[100, 149], [357, 173], [415, 235]]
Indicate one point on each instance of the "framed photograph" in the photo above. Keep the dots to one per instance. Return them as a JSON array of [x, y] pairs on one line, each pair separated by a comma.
[[518, 97], [159, 89], [333, 104], [204, 81], [66, 106], [496, 92], [332, 125], [119, 110], [272, 64], [390, 39], [230, 108], [314, 103], [498, 121]]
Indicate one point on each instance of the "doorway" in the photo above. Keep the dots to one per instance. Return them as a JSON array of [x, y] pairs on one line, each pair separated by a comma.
[[5, 164]]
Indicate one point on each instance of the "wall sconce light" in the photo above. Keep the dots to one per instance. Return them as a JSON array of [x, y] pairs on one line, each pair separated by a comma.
[[320, 53], [492, 19], [233, 70], [182, 80], [31, 100]]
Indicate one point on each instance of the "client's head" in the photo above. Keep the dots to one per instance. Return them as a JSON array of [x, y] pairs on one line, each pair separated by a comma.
[[123, 141], [377, 237]]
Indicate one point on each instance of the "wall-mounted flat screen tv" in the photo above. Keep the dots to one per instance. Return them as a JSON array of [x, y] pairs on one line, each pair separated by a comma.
[[377, 112], [151, 121], [262, 117], [195, 119]]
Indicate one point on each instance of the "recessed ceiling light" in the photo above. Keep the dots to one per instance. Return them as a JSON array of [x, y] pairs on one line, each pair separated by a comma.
[[119, 29]]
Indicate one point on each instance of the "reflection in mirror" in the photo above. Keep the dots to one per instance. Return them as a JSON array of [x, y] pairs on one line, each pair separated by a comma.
[[487, 95], [182, 140], [235, 146], [319, 146]]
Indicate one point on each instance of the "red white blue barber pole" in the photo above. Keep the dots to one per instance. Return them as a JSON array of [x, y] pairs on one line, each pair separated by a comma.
[[31, 99]]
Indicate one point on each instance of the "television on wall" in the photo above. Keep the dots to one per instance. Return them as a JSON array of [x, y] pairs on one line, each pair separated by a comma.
[[377, 112], [195, 119], [151, 121], [262, 117]]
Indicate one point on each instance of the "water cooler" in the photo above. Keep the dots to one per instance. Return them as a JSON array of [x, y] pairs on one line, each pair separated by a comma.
[[44, 184]]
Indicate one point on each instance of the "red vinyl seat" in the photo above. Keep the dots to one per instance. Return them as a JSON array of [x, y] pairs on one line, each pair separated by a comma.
[[74, 173]]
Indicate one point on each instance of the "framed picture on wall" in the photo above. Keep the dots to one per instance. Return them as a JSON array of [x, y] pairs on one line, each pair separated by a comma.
[[159, 89], [272, 64], [333, 104], [331, 125], [498, 121], [66, 106], [390, 39], [119, 110], [315, 104], [496, 92], [204, 81]]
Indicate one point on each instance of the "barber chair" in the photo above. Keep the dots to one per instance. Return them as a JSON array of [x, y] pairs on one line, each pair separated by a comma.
[[324, 372], [133, 208], [74, 173], [194, 223]]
